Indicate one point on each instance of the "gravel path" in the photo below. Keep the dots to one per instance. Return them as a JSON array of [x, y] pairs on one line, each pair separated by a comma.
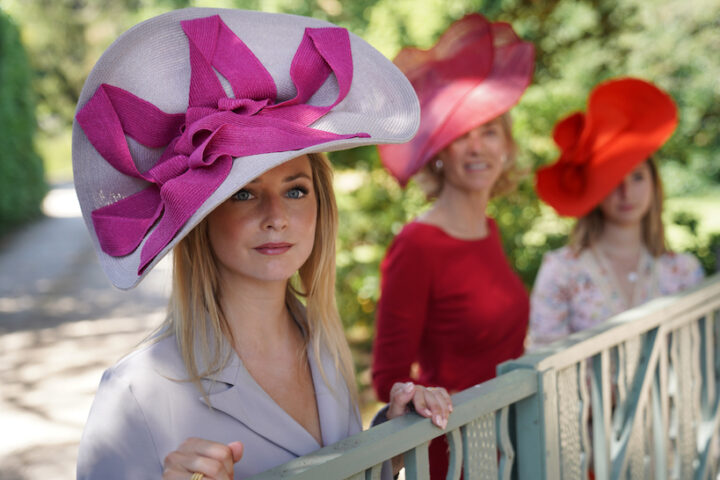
[[61, 324]]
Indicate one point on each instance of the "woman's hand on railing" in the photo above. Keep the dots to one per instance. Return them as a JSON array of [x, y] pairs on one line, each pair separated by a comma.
[[213, 460], [431, 402]]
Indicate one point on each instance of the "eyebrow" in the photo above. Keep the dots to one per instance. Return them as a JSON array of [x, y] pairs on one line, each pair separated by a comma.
[[296, 176], [288, 179]]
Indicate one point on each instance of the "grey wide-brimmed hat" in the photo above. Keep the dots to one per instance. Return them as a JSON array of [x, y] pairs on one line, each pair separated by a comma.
[[186, 108]]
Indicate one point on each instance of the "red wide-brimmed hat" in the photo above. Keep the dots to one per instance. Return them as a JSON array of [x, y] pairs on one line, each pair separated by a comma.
[[627, 120], [477, 71]]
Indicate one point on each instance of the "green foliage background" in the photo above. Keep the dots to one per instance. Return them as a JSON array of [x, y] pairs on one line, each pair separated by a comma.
[[579, 43], [22, 184]]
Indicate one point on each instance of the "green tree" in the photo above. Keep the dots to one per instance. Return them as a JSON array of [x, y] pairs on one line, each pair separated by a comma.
[[22, 185], [578, 44]]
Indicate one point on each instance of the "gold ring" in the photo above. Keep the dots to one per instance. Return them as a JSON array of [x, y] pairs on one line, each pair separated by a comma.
[[197, 476]]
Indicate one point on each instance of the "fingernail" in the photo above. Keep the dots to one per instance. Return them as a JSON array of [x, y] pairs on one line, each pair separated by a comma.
[[427, 412], [444, 426], [408, 387], [438, 421], [450, 408]]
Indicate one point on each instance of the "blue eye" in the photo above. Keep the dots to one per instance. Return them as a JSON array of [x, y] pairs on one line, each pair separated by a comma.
[[297, 192], [242, 195]]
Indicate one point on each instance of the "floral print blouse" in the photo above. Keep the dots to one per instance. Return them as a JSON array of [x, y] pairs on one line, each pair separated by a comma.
[[574, 292]]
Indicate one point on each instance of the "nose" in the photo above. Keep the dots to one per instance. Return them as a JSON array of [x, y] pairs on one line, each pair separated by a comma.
[[622, 189], [476, 140], [275, 215]]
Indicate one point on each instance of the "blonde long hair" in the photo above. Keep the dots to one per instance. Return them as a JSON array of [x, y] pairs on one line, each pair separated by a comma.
[[587, 229], [194, 307], [430, 179]]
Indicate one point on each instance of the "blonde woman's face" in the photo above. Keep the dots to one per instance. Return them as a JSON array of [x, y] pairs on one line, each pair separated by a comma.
[[265, 232], [475, 161], [631, 200]]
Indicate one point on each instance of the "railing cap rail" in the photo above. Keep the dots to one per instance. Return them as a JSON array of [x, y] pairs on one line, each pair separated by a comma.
[[371, 447], [634, 322]]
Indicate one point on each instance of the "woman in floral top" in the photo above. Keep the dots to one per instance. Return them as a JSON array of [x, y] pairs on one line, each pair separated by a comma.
[[616, 258]]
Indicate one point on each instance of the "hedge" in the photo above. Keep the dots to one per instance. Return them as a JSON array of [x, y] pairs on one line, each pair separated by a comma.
[[22, 183]]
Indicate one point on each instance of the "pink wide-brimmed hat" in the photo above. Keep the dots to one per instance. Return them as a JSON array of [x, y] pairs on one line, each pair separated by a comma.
[[477, 71], [186, 108], [627, 120]]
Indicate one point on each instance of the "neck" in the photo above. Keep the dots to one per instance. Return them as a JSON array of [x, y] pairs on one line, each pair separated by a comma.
[[257, 315], [460, 212], [621, 240]]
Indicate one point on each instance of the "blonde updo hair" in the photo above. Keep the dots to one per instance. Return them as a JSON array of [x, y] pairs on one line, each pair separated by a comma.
[[430, 179]]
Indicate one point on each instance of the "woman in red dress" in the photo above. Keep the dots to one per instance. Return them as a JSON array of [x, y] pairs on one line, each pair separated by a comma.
[[450, 303]]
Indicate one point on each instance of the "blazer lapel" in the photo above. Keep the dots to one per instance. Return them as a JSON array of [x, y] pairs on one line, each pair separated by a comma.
[[235, 392], [248, 403], [333, 406]]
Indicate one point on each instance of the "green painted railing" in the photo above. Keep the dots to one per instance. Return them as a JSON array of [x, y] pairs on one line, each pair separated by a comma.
[[634, 398]]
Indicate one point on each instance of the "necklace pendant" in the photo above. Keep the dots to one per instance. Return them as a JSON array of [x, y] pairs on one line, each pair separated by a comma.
[[632, 277]]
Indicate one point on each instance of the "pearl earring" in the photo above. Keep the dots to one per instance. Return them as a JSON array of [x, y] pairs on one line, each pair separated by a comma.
[[438, 164]]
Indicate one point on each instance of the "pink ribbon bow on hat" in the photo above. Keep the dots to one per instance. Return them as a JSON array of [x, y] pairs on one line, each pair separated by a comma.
[[201, 143]]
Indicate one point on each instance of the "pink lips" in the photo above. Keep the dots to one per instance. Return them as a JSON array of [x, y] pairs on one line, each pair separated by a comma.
[[273, 248]]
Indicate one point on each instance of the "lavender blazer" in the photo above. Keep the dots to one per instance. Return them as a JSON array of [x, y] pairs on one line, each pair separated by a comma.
[[140, 414]]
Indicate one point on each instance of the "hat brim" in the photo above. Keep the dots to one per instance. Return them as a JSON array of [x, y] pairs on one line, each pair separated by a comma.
[[151, 61], [599, 181]]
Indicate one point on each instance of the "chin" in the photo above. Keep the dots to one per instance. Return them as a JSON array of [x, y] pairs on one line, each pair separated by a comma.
[[271, 276], [278, 270], [627, 219], [282, 273], [480, 186]]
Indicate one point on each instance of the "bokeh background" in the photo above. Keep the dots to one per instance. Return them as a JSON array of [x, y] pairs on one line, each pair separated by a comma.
[[47, 48]]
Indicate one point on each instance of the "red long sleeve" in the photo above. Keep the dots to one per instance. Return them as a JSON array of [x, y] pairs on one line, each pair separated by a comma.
[[402, 311], [454, 306]]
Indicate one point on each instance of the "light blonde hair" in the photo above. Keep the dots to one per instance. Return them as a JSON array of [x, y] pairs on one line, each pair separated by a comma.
[[430, 179], [587, 229], [195, 309]]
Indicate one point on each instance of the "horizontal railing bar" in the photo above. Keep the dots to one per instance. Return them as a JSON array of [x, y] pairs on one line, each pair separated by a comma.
[[691, 315], [704, 297], [613, 337], [366, 449]]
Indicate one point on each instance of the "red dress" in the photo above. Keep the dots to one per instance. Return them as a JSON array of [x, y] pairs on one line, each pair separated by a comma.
[[453, 306]]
